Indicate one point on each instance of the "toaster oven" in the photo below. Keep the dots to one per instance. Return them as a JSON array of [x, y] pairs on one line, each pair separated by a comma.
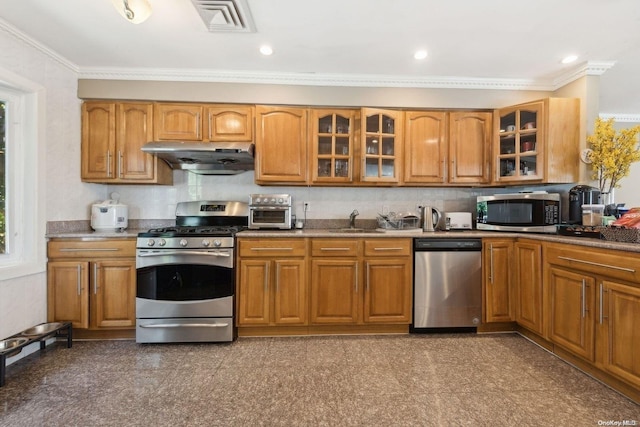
[[270, 211]]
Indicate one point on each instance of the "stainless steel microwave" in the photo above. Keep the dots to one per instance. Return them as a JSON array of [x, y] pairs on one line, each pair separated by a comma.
[[537, 212]]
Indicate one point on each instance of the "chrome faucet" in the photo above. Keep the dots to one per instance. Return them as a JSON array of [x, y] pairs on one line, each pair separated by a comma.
[[352, 218]]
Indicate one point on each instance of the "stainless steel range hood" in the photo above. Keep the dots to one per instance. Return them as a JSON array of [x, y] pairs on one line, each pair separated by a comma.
[[205, 158]]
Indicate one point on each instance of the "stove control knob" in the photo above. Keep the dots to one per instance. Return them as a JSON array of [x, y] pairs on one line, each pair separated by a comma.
[[151, 242], [162, 242], [281, 200], [206, 243], [183, 242], [217, 243]]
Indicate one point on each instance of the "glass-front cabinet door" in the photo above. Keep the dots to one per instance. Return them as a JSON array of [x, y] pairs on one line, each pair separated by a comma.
[[332, 142], [381, 145], [520, 143]]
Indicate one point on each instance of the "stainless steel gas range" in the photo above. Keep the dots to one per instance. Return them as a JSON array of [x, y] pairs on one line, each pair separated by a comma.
[[186, 275]]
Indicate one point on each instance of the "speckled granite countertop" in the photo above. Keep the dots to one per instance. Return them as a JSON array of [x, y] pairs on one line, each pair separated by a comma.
[[82, 230], [370, 233]]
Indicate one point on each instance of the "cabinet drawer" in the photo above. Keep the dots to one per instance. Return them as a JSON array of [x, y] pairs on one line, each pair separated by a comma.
[[103, 248], [271, 247], [387, 247], [609, 263], [335, 247]]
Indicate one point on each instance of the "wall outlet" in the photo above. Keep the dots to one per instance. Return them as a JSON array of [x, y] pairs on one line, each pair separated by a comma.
[[306, 206]]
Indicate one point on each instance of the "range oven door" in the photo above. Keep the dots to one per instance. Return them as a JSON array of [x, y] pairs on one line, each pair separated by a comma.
[[185, 295]]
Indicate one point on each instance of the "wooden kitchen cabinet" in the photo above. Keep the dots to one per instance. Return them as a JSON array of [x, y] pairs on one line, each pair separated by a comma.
[[333, 151], [229, 123], [281, 145], [92, 283], [528, 285], [272, 282], [497, 294], [112, 137], [593, 297], [203, 122], [335, 281], [470, 136], [571, 311], [618, 339], [381, 294], [178, 122], [381, 146], [388, 281], [447, 147], [426, 147], [537, 141]]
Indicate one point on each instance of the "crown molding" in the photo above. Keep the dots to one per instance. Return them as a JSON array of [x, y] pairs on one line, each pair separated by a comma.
[[16, 33], [590, 68], [621, 118], [312, 79]]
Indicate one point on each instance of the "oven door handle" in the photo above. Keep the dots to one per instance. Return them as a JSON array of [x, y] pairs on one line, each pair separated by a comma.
[[191, 325], [199, 253]]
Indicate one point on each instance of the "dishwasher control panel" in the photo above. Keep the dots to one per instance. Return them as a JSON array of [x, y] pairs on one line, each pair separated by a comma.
[[458, 244]]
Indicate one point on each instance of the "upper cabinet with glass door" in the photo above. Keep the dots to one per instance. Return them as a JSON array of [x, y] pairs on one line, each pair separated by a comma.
[[332, 145], [381, 147], [520, 131], [538, 141]]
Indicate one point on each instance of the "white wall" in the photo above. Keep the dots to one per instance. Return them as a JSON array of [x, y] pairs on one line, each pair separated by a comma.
[[628, 192], [23, 300]]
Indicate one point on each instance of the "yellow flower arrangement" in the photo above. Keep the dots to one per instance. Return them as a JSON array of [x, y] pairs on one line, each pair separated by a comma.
[[612, 153]]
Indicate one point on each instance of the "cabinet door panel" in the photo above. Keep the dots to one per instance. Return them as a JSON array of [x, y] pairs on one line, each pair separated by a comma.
[[528, 282], [571, 321], [497, 295], [621, 318], [253, 292], [290, 303], [334, 291], [469, 147], [425, 146], [134, 129], [281, 144], [387, 290], [67, 297], [98, 140], [177, 122], [113, 294], [230, 123]]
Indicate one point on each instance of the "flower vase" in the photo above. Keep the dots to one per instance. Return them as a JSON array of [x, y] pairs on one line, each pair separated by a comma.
[[607, 198]]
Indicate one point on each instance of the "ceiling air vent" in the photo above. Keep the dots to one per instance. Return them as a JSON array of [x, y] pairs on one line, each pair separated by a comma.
[[225, 15]]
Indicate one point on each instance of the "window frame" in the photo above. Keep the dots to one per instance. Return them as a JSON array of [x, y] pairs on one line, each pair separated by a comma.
[[25, 172]]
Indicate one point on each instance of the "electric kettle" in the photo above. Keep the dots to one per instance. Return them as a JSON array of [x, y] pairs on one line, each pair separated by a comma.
[[430, 218]]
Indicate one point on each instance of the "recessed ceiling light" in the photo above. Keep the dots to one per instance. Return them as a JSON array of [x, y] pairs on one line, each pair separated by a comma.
[[569, 59], [420, 54], [266, 50]]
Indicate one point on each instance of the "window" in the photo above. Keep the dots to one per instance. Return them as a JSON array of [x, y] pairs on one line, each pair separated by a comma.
[[22, 219], [3, 193]]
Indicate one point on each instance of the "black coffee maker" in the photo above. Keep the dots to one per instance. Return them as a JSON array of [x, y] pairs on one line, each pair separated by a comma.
[[578, 196]]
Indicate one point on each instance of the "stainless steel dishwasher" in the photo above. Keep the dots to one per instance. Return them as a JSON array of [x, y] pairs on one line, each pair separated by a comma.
[[447, 283]]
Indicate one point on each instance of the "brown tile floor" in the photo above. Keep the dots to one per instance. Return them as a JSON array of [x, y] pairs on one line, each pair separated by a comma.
[[415, 380]]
